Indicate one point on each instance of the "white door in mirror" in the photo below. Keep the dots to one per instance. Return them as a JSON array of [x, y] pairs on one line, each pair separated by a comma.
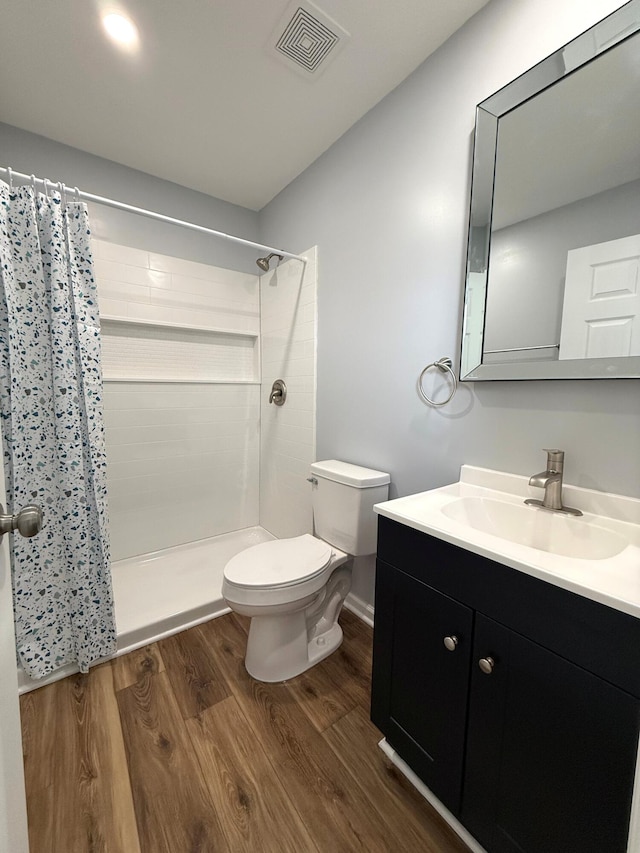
[[601, 309]]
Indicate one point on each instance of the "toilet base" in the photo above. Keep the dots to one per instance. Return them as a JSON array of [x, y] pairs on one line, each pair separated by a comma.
[[283, 645], [278, 647]]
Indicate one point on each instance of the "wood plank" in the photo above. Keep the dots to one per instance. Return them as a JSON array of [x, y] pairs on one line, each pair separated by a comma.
[[322, 698], [138, 664], [87, 806], [174, 810], [345, 670], [412, 821], [358, 638], [356, 631], [38, 714], [249, 773], [335, 810], [197, 683], [255, 812], [243, 621], [349, 667]]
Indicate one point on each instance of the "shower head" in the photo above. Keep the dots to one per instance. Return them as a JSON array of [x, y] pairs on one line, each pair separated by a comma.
[[263, 263]]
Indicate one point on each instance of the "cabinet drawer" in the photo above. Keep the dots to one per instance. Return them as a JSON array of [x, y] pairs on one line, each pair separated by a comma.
[[604, 641]]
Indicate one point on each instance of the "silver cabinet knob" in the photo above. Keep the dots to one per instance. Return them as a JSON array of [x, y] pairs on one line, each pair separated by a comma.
[[486, 665], [451, 643], [27, 522]]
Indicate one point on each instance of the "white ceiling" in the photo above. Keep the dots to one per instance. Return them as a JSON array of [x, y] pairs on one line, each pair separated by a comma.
[[206, 102]]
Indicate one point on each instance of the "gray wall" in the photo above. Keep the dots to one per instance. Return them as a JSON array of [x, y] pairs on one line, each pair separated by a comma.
[[529, 263], [32, 154], [387, 206]]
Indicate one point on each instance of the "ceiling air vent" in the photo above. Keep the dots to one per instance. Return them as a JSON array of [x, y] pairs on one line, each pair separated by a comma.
[[306, 37]]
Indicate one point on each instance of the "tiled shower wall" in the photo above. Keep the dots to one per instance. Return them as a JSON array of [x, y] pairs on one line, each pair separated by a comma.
[[182, 398], [288, 440]]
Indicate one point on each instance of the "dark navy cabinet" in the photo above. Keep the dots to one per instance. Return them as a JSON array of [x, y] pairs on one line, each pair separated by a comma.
[[516, 702]]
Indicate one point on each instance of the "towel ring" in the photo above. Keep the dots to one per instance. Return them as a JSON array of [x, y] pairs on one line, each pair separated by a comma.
[[446, 366]]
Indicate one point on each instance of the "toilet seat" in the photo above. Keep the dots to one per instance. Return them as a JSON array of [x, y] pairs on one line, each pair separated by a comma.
[[284, 572], [279, 563]]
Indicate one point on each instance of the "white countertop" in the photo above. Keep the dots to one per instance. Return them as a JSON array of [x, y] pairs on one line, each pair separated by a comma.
[[614, 580]]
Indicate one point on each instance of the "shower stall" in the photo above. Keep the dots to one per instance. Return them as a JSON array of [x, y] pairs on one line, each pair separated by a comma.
[[199, 464]]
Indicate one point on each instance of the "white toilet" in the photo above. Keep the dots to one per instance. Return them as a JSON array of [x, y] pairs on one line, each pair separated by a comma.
[[293, 589]]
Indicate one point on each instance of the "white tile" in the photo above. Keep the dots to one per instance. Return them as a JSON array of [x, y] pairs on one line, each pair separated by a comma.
[[307, 295], [297, 417], [304, 332], [209, 305], [96, 248], [300, 367], [123, 254], [194, 269], [234, 290], [112, 307], [308, 313], [121, 291], [142, 276], [297, 434]]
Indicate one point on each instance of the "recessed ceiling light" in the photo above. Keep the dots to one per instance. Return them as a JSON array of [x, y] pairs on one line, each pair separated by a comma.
[[121, 30]]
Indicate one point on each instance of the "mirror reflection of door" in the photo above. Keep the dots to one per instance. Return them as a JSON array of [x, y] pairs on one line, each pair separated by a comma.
[[601, 308]]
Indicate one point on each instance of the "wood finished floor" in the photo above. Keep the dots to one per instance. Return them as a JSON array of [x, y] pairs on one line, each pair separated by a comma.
[[175, 749]]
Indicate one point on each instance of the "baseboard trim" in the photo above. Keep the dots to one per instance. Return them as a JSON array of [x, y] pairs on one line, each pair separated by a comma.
[[422, 789], [360, 607]]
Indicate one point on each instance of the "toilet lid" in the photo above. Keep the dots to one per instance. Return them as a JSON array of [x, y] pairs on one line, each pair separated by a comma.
[[281, 562]]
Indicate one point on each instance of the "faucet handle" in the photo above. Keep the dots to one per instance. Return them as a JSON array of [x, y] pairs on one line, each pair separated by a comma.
[[555, 459]]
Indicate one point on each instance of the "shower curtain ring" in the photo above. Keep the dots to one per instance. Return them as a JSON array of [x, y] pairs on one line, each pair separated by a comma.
[[77, 192], [33, 183], [10, 174]]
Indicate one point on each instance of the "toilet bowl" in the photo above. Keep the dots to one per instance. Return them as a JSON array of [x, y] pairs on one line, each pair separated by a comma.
[[293, 589], [280, 585]]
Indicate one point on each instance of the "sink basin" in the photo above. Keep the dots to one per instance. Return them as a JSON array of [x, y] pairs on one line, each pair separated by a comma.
[[563, 535], [596, 555]]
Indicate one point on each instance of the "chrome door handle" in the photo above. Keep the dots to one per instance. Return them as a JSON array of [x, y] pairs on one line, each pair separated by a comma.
[[27, 522]]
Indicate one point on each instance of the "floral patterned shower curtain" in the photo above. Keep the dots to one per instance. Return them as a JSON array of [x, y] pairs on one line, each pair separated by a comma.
[[51, 410]]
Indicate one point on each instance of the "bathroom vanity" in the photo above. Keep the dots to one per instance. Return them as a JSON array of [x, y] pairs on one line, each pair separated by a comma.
[[507, 676]]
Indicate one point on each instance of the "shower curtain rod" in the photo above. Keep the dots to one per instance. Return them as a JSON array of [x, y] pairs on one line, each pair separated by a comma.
[[150, 214]]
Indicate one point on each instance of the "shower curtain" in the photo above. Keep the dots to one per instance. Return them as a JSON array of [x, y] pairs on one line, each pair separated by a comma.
[[53, 434]]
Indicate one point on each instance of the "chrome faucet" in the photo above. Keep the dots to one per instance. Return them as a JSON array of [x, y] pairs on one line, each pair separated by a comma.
[[551, 481]]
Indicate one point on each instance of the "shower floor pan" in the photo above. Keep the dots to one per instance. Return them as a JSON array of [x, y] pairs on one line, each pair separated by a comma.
[[163, 592]]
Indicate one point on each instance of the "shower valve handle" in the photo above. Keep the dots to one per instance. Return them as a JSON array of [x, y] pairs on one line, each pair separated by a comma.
[[27, 522]]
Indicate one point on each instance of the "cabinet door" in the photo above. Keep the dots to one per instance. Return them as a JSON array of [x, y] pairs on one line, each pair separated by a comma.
[[550, 754], [419, 692]]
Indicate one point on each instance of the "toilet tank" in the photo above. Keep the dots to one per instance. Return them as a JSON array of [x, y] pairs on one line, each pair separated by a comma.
[[343, 499]]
